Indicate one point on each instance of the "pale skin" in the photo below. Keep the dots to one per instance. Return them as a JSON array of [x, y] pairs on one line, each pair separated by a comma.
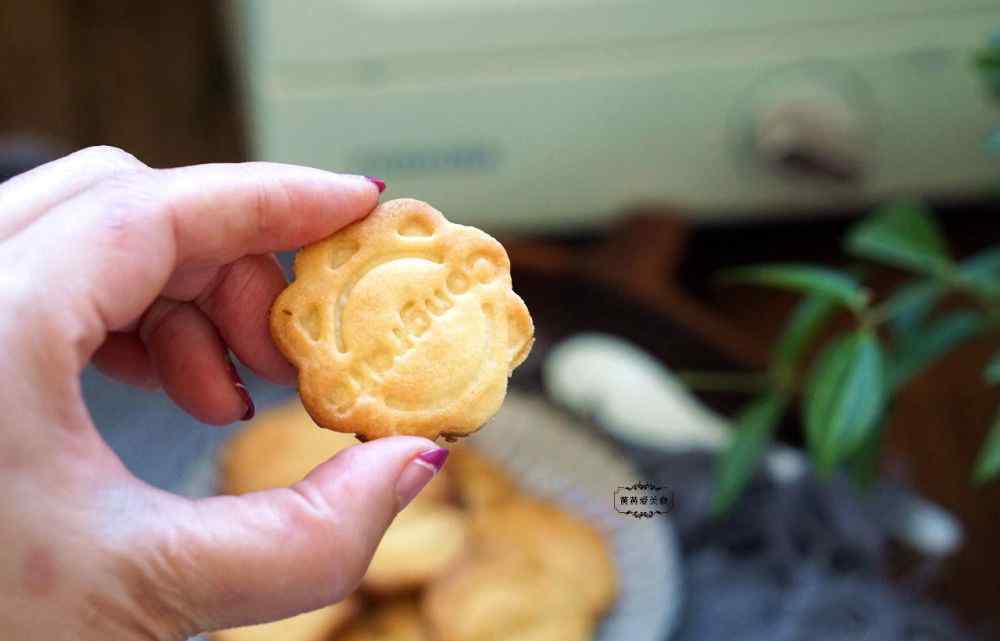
[[154, 275]]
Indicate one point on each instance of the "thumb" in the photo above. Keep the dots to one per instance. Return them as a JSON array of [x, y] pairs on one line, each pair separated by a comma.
[[270, 555]]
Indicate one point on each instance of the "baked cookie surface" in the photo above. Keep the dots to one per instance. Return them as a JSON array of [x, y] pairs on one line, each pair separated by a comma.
[[276, 449], [403, 323], [392, 621], [500, 599], [424, 542], [552, 540], [480, 484], [316, 625]]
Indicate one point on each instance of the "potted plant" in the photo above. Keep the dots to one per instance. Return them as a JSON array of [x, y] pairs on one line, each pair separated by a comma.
[[848, 391]]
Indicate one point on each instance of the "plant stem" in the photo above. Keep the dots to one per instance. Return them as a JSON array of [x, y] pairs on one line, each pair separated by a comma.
[[878, 314]]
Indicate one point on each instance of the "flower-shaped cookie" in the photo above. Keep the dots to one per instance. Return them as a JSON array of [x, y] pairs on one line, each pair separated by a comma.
[[403, 323]]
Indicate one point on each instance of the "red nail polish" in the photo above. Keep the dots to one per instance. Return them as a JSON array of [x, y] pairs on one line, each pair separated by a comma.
[[242, 390], [378, 182], [435, 458]]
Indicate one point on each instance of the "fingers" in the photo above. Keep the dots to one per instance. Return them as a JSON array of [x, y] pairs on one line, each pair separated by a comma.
[[30, 195], [105, 254], [238, 303], [270, 555], [193, 364], [222, 212], [123, 356], [233, 310]]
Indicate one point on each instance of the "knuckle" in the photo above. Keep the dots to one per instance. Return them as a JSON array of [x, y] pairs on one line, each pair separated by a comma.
[[136, 184], [272, 201], [127, 199], [109, 156]]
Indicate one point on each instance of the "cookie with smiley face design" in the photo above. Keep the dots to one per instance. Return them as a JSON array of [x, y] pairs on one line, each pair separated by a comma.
[[403, 323]]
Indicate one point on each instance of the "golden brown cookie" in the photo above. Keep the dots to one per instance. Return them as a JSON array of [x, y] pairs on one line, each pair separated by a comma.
[[391, 621], [426, 539], [479, 483], [277, 449], [318, 625], [554, 541], [501, 599], [403, 323]]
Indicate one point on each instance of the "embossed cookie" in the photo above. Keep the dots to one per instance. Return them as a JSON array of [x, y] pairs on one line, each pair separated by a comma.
[[403, 323]]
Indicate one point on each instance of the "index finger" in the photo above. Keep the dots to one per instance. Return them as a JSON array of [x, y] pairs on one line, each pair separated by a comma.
[[225, 211], [102, 256]]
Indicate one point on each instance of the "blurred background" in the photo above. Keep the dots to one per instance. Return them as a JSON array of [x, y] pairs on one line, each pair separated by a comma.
[[626, 153]]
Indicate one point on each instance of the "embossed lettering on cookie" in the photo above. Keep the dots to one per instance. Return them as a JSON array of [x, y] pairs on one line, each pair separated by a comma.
[[403, 323]]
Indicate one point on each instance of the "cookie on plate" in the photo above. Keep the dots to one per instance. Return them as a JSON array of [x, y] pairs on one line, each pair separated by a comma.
[[277, 449], [403, 323], [425, 541], [479, 482], [551, 539], [318, 625], [502, 599], [391, 621]]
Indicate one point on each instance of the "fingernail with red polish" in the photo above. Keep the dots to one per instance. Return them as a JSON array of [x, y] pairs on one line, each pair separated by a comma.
[[378, 182], [244, 393], [435, 458], [417, 474]]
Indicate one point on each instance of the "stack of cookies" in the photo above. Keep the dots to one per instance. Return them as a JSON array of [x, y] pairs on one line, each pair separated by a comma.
[[472, 558]]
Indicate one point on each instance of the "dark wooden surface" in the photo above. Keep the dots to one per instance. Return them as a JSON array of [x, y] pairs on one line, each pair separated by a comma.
[[153, 78]]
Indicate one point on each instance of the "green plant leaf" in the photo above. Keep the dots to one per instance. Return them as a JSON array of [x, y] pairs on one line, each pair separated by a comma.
[[982, 272], [910, 305], [988, 464], [992, 371], [751, 436], [922, 347], [903, 235], [805, 323], [844, 398], [838, 285]]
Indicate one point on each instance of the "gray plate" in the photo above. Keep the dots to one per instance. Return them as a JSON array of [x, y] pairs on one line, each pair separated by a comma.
[[555, 457]]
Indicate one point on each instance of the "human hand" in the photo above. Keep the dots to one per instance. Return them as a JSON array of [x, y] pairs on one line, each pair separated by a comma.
[[155, 275]]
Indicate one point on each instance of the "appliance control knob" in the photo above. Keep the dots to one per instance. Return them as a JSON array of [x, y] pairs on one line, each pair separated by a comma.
[[813, 133]]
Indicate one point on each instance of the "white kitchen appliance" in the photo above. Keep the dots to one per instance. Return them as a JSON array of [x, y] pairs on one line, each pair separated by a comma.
[[517, 115]]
